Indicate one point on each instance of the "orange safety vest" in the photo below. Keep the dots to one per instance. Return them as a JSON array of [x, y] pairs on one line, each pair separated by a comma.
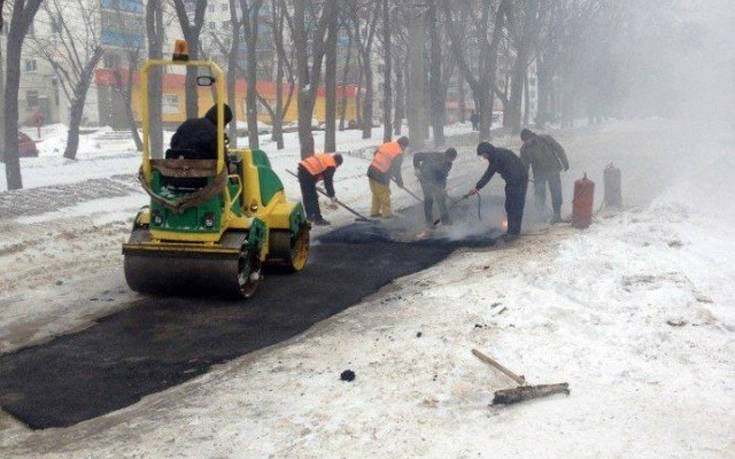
[[317, 164], [386, 154]]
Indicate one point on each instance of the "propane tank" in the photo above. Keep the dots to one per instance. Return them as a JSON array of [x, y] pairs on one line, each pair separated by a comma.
[[584, 196], [611, 179]]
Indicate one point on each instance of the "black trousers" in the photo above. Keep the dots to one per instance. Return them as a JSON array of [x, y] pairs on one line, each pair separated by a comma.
[[434, 191], [515, 201], [539, 190], [308, 195]]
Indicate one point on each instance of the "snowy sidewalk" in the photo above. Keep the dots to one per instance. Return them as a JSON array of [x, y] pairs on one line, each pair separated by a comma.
[[36, 201]]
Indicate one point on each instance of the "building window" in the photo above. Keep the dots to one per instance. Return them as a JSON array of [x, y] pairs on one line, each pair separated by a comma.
[[212, 25], [31, 65], [111, 61], [210, 8], [32, 99], [224, 7], [170, 103]]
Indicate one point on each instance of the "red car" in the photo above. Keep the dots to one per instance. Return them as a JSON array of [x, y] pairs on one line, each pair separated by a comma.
[[26, 147]]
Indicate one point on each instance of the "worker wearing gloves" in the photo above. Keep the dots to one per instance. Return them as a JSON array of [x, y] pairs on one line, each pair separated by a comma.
[[515, 173], [547, 158], [386, 164], [432, 170], [311, 170]]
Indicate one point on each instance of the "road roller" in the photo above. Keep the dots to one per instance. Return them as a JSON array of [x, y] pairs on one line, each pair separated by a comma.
[[212, 224]]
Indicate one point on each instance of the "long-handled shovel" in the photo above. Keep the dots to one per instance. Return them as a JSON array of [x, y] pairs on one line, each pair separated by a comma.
[[452, 206], [523, 391], [360, 217], [415, 196]]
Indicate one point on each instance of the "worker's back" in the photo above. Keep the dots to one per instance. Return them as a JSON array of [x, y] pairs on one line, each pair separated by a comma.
[[197, 138]]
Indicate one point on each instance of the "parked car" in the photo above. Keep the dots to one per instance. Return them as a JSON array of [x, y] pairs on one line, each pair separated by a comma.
[[26, 147]]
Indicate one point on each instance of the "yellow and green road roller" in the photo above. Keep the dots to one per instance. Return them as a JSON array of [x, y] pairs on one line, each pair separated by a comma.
[[212, 223]]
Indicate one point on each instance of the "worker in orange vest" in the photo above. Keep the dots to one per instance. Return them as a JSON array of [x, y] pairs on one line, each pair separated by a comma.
[[386, 164], [312, 169]]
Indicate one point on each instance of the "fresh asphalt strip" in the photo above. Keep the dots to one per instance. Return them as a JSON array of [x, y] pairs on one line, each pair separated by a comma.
[[161, 342]]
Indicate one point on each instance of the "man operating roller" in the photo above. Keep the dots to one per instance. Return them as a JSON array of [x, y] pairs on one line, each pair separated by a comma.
[[432, 170], [312, 170], [515, 173]]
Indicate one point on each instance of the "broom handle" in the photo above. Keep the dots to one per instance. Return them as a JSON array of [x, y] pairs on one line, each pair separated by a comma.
[[345, 206], [518, 379]]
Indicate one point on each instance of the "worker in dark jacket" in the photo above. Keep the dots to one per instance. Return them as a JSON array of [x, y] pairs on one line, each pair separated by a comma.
[[514, 172], [311, 170], [432, 170], [386, 165], [197, 138], [547, 158]]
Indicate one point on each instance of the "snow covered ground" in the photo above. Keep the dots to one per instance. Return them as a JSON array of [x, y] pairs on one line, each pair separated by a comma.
[[637, 313]]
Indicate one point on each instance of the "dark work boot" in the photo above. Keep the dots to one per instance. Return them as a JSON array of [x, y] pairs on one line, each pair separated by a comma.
[[556, 219], [321, 222]]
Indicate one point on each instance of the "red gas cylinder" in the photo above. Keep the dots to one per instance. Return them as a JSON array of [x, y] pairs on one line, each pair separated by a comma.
[[584, 197]]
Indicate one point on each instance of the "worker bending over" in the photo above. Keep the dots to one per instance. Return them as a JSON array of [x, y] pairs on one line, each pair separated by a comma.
[[386, 164], [514, 172], [547, 158], [432, 170], [311, 170]]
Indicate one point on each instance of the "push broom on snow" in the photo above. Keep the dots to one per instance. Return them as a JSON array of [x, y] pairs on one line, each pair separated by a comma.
[[523, 391]]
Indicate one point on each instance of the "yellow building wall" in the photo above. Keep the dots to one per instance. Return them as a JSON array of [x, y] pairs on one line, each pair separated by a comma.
[[174, 106]]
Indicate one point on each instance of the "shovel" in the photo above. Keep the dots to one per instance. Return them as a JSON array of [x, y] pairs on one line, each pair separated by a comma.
[[522, 392], [360, 217]]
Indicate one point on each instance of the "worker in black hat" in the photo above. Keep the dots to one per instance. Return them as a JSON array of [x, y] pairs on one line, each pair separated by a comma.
[[432, 170], [515, 173]]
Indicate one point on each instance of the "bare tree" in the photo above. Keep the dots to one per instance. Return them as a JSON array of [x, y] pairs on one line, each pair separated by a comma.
[[387, 75], [20, 21], [2, 88], [192, 32], [345, 73], [154, 33], [250, 17], [364, 17], [309, 49], [330, 78], [416, 75], [73, 54], [441, 68], [522, 23], [124, 90], [481, 79]]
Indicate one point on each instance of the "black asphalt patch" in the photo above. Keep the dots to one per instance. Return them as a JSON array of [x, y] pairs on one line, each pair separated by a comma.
[[162, 342]]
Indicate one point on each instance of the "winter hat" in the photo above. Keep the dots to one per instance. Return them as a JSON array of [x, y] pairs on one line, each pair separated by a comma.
[[337, 158], [485, 148], [526, 134], [212, 114], [403, 141], [451, 153]]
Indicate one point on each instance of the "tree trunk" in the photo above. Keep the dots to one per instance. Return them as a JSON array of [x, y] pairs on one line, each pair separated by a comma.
[[345, 74], [250, 20], [77, 105], [400, 100], [12, 84], [367, 117], [416, 77], [542, 95], [330, 77], [358, 96], [461, 102], [232, 72], [277, 122], [435, 79], [154, 32], [387, 75], [526, 102], [2, 96], [21, 19]]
